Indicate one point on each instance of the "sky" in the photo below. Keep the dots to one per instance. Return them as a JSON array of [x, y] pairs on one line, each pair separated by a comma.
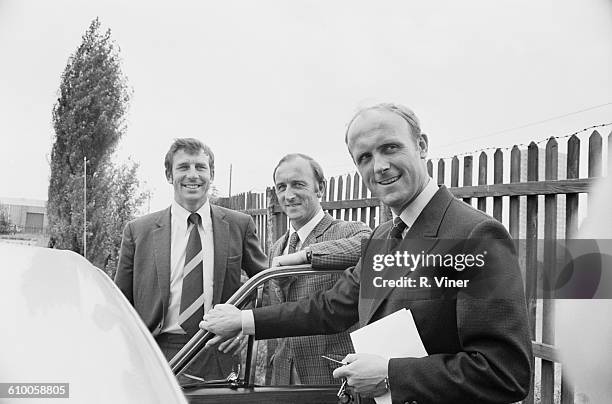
[[257, 80]]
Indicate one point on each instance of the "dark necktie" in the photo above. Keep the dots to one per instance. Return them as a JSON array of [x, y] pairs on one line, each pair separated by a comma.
[[285, 282], [192, 295], [398, 228], [395, 233], [293, 240]]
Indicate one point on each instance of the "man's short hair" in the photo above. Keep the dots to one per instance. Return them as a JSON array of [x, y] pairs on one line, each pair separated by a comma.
[[191, 146], [316, 167], [404, 112]]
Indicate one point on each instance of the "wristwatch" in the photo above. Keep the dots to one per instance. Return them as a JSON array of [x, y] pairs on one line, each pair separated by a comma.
[[309, 255]]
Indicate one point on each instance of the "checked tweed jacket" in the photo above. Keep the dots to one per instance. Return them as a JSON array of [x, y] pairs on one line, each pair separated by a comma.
[[334, 244]]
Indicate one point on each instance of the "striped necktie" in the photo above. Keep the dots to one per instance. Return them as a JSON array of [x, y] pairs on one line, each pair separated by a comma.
[[293, 240], [192, 295]]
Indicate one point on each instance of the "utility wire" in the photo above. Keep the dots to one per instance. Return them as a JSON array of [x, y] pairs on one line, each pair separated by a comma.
[[523, 145], [529, 124]]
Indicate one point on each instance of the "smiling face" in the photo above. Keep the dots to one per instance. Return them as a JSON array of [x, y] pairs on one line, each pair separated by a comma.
[[389, 158], [190, 177], [297, 190]]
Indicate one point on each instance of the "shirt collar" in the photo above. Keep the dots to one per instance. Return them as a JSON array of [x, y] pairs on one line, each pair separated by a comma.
[[180, 214], [305, 230], [412, 211]]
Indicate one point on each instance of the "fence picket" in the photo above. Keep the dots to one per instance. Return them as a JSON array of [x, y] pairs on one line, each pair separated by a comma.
[[440, 171], [550, 260], [455, 172], [571, 200], [355, 211], [498, 178], [514, 201], [595, 154], [347, 197], [339, 197], [482, 179], [571, 226], [467, 175], [364, 195], [531, 250], [332, 193]]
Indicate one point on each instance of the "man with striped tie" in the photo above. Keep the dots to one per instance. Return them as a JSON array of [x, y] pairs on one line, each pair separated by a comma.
[[177, 263]]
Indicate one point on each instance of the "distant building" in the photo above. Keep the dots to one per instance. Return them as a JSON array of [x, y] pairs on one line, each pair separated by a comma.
[[29, 215]]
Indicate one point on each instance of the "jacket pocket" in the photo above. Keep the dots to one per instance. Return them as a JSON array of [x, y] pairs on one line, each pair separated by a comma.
[[234, 260]]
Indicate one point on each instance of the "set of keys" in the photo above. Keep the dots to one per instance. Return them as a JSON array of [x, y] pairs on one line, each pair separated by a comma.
[[344, 396]]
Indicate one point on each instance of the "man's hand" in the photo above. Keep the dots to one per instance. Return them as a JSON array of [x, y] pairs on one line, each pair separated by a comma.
[[234, 345], [224, 320], [364, 372], [296, 258]]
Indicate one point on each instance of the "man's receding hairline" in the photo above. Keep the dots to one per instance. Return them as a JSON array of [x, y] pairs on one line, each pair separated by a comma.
[[312, 164], [381, 123]]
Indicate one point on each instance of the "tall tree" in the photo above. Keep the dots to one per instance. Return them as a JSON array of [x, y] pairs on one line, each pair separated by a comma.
[[89, 119], [5, 225]]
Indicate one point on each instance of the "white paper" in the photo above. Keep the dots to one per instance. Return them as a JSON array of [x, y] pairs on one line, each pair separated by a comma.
[[393, 336]]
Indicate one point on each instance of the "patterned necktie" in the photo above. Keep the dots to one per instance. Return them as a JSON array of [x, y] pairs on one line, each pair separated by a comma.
[[293, 240], [395, 234], [192, 295], [286, 281]]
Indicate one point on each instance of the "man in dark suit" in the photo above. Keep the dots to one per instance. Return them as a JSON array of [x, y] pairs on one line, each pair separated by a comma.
[[313, 237], [175, 264], [476, 336]]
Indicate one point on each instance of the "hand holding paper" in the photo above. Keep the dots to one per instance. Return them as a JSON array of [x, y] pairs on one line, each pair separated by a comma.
[[394, 336]]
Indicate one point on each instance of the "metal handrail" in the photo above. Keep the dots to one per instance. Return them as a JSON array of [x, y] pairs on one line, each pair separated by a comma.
[[191, 349]]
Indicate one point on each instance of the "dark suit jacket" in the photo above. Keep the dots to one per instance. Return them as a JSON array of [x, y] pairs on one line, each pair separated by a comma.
[[478, 344], [143, 272], [334, 244]]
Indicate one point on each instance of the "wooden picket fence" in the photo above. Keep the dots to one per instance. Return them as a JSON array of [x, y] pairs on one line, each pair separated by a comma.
[[514, 197]]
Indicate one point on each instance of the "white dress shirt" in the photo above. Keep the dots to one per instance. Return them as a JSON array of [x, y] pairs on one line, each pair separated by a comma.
[[304, 231], [412, 211], [179, 235]]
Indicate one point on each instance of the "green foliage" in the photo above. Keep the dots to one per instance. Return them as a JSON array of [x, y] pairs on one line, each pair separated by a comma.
[[89, 120]]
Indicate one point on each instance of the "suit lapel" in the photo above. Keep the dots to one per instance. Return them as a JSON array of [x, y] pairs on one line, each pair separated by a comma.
[[161, 246], [221, 243], [280, 245], [424, 232], [318, 230], [312, 238]]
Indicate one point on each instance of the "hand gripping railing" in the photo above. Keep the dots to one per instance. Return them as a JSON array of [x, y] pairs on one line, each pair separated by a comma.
[[191, 349]]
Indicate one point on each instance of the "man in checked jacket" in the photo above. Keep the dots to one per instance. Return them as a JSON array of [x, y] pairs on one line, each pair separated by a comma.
[[313, 237]]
